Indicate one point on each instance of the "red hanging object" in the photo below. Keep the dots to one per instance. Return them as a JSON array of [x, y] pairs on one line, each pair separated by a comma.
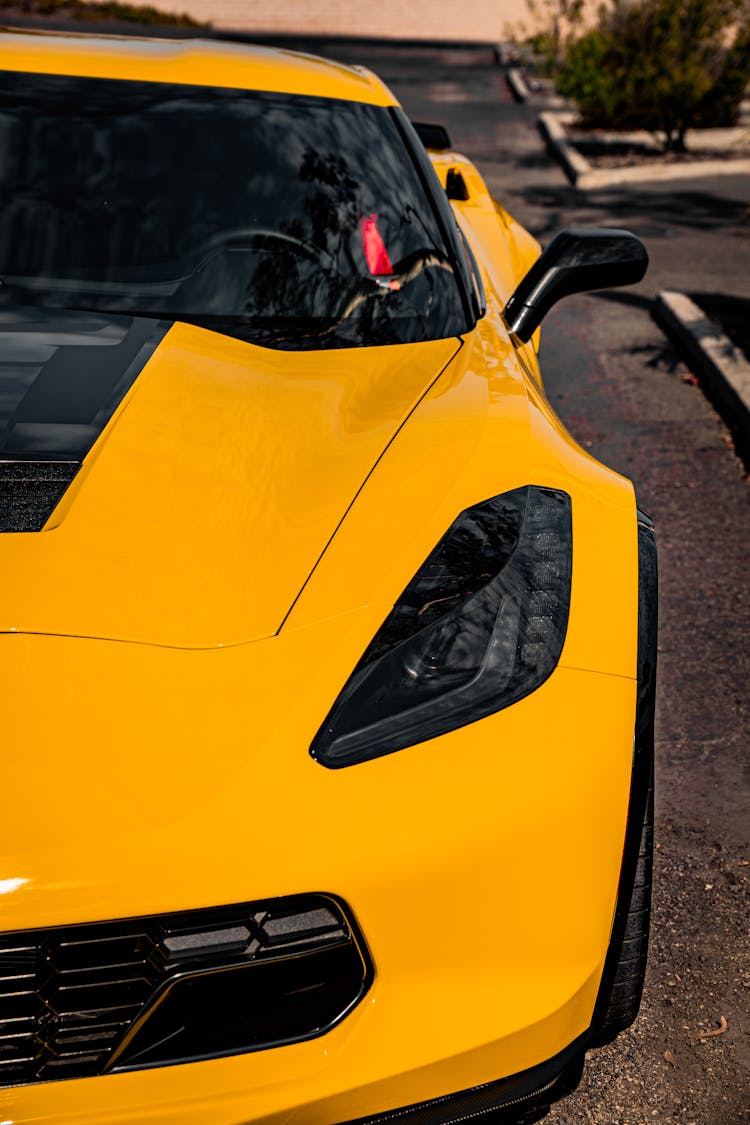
[[378, 262]]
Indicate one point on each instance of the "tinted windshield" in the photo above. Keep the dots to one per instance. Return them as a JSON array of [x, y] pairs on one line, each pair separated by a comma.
[[289, 221]]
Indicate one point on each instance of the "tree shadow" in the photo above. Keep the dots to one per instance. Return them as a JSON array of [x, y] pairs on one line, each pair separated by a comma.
[[701, 210], [635, 300], [534, 160]]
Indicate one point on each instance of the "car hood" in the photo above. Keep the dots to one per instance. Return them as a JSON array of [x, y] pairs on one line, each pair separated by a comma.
[[211, 485]]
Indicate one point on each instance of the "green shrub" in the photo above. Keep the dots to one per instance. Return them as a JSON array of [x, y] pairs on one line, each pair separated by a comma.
[[663, 65], [544, 48], [557, 19]]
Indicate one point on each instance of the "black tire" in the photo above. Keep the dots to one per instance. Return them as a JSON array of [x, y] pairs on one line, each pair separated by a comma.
[[625, 997]]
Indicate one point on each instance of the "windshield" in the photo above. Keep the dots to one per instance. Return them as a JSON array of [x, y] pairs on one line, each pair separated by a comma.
[[289, 221]]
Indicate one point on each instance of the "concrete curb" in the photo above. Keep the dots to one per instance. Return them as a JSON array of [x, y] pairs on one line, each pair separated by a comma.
[[551, 126], [581, 174], [721, 368], [518, 88]]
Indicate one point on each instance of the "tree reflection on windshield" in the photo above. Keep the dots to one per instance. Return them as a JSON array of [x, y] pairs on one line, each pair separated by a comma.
[[241, 211]]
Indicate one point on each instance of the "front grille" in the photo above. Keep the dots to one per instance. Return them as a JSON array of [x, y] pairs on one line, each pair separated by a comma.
[[82, 1000]]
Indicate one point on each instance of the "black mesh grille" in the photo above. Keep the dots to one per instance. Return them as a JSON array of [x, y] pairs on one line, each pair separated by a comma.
[[78, 1000]]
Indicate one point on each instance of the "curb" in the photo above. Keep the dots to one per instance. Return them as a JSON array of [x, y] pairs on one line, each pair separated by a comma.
[[575, 166], [518, 88], [721, 368], [581, 174]]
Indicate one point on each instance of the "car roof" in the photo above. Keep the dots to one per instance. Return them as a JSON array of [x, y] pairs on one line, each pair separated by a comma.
[[200, 62]]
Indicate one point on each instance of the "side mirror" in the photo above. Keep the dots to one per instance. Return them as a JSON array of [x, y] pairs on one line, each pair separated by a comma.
[[432, 136], [576, 261]]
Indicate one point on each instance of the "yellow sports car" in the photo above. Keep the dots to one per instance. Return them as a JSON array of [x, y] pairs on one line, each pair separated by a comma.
[[328, 655]]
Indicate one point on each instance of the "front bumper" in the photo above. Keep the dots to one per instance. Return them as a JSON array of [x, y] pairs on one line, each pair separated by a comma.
[[518, 1100], [484, 885]]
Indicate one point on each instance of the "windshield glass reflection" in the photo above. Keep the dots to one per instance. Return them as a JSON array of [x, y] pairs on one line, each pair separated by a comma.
[[289, 221]]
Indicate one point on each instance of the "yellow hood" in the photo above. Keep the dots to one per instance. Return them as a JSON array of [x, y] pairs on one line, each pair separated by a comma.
[[201, 511]]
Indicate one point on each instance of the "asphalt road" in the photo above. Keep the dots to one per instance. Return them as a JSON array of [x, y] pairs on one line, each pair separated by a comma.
[[615, 382]]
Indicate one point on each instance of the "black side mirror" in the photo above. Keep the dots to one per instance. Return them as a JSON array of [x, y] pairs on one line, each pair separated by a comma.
[[575, 261], [432, 136]]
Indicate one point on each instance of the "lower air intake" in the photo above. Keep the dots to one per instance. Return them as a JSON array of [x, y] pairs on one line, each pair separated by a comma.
[[84, 1000]]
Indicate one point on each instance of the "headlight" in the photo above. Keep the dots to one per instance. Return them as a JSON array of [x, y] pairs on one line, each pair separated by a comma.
[[481, 625]]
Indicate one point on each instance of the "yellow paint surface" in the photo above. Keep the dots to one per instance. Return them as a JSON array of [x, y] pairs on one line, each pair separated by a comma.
[[200, 513], [200, 62]]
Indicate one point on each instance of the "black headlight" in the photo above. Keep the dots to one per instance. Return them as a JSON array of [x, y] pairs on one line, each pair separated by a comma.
[[480, 626]]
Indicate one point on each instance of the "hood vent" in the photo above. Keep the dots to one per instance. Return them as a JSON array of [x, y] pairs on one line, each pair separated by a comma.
[[30, 491], [62, 376]]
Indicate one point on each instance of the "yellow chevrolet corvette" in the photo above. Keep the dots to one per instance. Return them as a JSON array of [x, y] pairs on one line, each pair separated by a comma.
[[328, 655]]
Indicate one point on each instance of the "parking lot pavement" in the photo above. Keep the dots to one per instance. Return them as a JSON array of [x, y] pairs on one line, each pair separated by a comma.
[[613, 378]]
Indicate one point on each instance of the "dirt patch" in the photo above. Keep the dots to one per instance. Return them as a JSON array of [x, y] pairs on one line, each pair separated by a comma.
[[637, 149], [634, 159]]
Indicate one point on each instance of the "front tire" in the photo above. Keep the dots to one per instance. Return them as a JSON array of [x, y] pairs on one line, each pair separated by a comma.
[[627, 987]]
